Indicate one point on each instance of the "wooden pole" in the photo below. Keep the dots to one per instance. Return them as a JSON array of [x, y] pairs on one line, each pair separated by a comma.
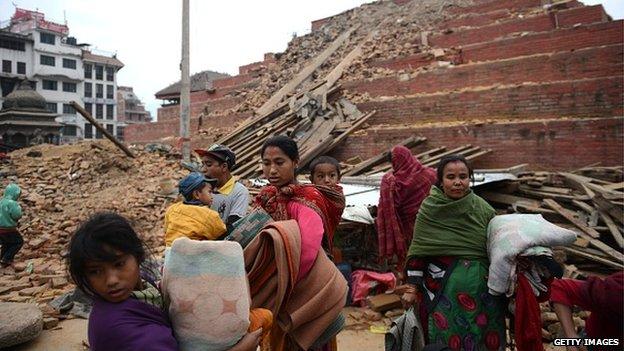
[[99, 127], [185, 86]]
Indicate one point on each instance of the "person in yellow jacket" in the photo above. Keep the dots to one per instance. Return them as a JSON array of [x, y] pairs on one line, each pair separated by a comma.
[[193, 217]]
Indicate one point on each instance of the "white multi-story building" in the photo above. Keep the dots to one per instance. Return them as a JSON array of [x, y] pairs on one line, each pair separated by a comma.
[[65, 71], [100, 92], [16, 53]]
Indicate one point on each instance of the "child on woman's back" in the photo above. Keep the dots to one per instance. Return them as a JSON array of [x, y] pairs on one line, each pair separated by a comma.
[[105, 261], [325, 170]]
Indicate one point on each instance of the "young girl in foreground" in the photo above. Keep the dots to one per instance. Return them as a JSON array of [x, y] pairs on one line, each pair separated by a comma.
[[106, 261]]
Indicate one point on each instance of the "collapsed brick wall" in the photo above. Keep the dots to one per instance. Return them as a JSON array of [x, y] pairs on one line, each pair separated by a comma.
[[505, 75]]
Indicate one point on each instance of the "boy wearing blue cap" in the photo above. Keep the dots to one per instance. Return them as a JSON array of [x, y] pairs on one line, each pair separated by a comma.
[[193, 217]]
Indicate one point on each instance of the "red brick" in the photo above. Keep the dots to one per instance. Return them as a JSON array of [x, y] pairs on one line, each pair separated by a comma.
[[552, 144], [475, 19], [541, 23], [586, 14], [585, 63], [407, 62], [558, 40], [599, 97]]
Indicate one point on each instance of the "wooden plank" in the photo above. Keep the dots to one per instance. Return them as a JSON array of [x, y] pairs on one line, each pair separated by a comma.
[[614, 186], [615, 231], [304, 73], [579, 253], [99, 127], [542, 194], [373, 161], [586, 231], [383, 302], [507, 199], [611, 208], [568, 215]]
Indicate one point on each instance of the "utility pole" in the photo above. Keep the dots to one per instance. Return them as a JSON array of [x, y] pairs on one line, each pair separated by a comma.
[[185, 88]]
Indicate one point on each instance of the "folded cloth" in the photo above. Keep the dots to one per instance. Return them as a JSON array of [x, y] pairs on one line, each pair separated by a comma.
[[303, 309], [509, 236], [206, 289]]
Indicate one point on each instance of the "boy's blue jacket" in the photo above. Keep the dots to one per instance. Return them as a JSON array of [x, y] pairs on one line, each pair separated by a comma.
[[10, 210]]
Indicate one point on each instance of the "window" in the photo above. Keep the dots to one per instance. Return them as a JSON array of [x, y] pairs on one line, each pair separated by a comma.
[[47, 60], [51, 106], [109, 92], [120, 133], [99, 72], [99, 91], [69, 130], [8, 43], [110, 128], [98, 134], [49, 84], [88, 70], [21, 67], [6, 66], [89, 107], [69, 63], [69, 109], [88, 132], [47, 38], [69, 87], [99, 111], [110, 74], [109, 111], [88, 90]]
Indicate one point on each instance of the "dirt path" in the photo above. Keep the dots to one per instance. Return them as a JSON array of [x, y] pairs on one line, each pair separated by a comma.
[[69, 334]]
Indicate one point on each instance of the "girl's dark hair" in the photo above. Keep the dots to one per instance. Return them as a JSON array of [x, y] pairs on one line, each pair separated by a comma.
[[448, 159], [286, 144], [97, 239], [324, 160]]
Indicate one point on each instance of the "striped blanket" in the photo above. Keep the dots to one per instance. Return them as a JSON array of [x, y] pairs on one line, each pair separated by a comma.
[[205, 286]]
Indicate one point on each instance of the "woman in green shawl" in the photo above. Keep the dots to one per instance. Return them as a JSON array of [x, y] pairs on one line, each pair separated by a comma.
[[448, 264]]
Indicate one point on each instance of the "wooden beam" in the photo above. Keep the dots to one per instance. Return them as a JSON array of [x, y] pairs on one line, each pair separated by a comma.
[[304, 73], [99, 127], [579, 253], [613, 228], [593, 237], [567, 215]]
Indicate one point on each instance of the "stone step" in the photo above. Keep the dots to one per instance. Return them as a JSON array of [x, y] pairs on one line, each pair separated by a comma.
[[560, 143], [567, 39], [591, 62], [543, 22], [598, 97]]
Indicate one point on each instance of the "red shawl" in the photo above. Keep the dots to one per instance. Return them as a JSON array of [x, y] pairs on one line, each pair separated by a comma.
[[327, 202], [402, 191]]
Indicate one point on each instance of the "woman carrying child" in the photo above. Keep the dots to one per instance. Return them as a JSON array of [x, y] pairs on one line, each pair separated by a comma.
[[317, 210], [448, 264], [107, 262]]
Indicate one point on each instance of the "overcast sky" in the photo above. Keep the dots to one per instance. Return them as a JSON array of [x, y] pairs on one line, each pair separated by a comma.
[[224, 34]]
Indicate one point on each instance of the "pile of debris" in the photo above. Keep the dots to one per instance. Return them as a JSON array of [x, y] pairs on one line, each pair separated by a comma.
[[381, 163], [374, 31], [62, 186]]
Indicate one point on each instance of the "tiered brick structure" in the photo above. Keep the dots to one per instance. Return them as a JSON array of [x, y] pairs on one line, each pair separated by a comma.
[[536, 84]]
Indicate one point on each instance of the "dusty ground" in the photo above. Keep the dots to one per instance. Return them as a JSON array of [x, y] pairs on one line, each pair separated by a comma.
[[69, 336]]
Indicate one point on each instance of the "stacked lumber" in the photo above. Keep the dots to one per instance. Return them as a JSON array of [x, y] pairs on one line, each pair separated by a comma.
[[589, 201], [318, 120], [381, 163]]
